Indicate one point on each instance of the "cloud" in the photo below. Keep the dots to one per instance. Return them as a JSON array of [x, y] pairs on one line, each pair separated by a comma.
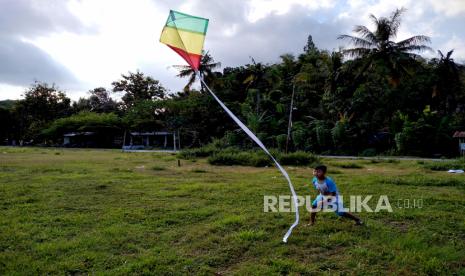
[[264, 30], [449, 7], [82, 44], [23, 62], [458, 45], [34, 18]]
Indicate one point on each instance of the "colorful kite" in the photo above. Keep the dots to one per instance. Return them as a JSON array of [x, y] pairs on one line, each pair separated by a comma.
[[185, 34]]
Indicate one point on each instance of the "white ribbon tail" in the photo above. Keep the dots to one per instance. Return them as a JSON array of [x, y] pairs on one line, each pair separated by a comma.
[[259, 143]]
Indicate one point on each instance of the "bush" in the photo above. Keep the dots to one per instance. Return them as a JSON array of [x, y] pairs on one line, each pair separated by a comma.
[[348, 165], [84, 121], [194, 153], [229, 158], [217, 145], [445, 165], [219, 154], [260, 159], [298, 158], [245, 158], [368, 152], [281, 141]]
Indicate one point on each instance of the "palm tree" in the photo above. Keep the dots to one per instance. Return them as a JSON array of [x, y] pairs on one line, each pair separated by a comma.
[[379, 44], [207, 65], [447, 85]]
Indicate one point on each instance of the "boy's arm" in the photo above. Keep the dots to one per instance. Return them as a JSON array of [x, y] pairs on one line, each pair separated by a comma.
[[314, 183]]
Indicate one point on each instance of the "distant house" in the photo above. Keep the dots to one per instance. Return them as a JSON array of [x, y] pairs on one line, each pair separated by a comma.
[[91, 140], [460, 135], [154, 140]]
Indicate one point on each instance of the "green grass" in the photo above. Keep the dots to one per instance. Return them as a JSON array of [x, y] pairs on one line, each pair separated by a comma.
[[107, 212], [348, 165]]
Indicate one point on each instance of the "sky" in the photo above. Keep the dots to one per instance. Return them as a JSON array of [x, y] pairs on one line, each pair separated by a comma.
[[79, 45]]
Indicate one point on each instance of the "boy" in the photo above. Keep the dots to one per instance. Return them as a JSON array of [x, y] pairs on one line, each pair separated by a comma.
[[329, 195]]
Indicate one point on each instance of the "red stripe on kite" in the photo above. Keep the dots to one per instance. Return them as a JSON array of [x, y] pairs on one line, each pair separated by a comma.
[[192, 59]]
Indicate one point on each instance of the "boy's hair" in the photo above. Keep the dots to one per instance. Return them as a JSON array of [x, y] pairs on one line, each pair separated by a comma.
[[321, 167]]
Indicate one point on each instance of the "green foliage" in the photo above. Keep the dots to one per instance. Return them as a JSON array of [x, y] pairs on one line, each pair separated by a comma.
[[42, 104], [299, 139], [348, 165], [298, 158], [84, 121], [281, 141], [214, 147], [260, 159], [138, 87], [245, 158], [428, 135], [368, 152], [445, 165], [384, 101], [142, 115], [99, 101]]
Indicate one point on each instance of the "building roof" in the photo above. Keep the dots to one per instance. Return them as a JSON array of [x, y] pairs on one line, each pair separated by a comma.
[[151, 133], [78, 134], [459, 134]]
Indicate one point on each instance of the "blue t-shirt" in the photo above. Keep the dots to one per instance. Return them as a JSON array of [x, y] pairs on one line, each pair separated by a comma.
[[330, 184]]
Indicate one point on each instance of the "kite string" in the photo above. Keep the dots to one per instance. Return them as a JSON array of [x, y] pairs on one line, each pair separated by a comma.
[[262, 146]]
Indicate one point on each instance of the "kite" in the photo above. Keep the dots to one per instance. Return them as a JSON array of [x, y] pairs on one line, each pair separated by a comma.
[[185, 34]]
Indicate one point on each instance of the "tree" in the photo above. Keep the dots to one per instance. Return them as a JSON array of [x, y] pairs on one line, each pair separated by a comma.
[[447, 83], [137, 87], [46, 103], [100, 101], [5, 128], [41, 105], [144, 116], [207, 65], [310, 46], [84, 121], [378, 45], [104, 128]]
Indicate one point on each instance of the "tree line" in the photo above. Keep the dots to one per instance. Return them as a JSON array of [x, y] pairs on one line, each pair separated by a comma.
[[376, 97]]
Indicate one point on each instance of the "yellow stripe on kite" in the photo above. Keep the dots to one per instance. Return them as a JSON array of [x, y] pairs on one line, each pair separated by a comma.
[[188, 41]]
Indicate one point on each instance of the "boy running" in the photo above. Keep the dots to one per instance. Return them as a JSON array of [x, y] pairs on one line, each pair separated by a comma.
[[329, 195]]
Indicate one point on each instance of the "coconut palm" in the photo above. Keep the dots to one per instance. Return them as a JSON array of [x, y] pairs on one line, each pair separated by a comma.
[[207, 65], [379, 45], [447, 85]]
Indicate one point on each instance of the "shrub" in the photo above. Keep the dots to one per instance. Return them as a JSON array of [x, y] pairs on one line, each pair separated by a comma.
[[368, 152], [348, 165], [260, 159], [205, 151], [229, 158], [445, 165], [298, 158], [281, 141], [194, 153], [245, 158]]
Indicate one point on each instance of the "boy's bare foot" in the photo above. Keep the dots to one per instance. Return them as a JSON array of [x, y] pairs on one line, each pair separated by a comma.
[[309, 224]]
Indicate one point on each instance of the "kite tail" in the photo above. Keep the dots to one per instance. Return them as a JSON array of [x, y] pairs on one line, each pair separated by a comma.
[[259, 143]]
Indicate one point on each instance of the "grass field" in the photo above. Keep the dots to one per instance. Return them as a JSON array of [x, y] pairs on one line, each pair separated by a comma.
[[107, 212]]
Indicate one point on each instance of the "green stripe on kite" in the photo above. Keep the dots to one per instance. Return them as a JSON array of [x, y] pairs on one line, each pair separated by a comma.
[[187, 22]]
